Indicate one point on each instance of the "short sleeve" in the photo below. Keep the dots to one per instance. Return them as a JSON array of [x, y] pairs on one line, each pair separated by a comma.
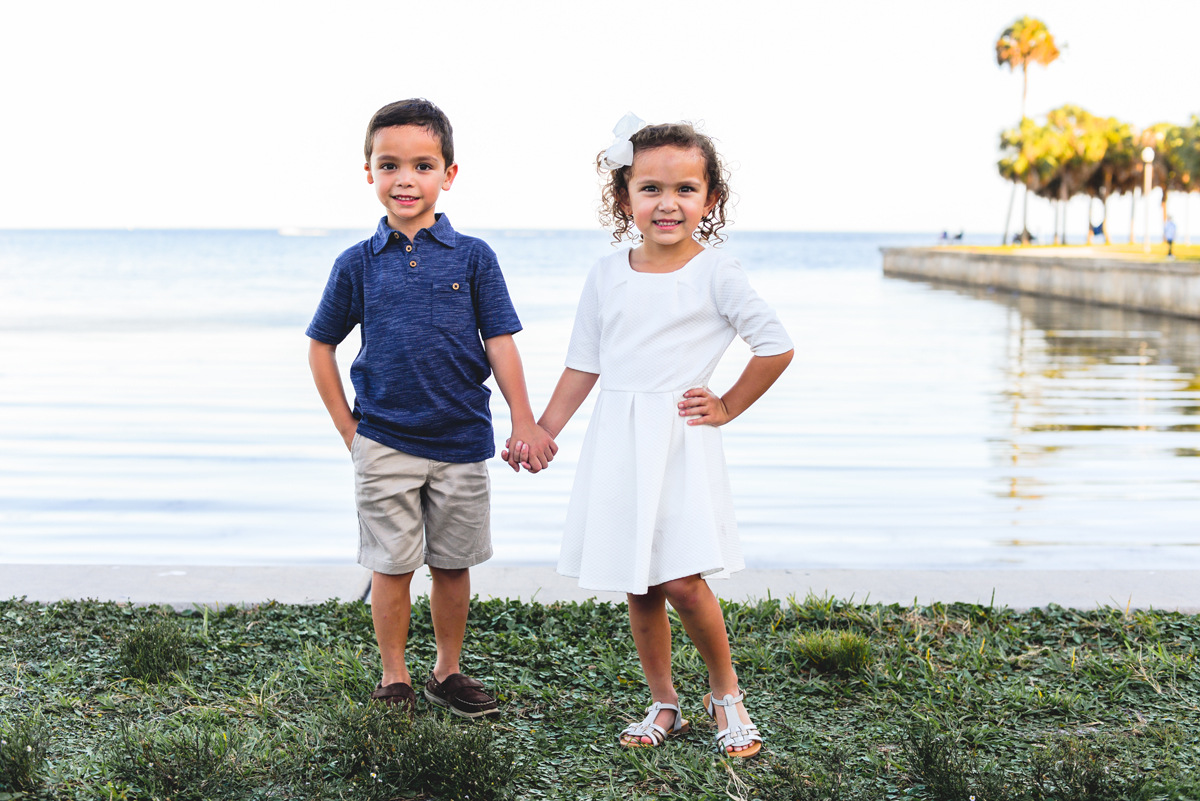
[[751, 317], [337, 313], [494, 310], [583, 353]]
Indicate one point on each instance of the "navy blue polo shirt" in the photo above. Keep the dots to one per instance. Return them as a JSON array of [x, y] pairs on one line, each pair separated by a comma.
[[423, 307]]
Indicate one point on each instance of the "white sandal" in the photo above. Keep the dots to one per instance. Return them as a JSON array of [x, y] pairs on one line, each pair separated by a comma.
[[736, 733], [648, 728]]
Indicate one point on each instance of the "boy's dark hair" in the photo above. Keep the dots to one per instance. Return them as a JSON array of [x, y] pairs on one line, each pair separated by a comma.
[[681, 135], [414, 111]]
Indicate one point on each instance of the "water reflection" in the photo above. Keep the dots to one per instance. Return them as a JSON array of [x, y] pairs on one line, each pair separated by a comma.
[[1099, 410], [160, 410]]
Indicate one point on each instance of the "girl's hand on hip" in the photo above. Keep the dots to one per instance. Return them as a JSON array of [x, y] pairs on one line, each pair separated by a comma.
[[704, 408]]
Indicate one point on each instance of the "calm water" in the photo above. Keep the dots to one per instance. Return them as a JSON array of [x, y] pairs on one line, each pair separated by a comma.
[[157, 408]]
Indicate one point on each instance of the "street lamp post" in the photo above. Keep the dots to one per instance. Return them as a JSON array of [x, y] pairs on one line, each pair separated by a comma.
[[1148, 161]]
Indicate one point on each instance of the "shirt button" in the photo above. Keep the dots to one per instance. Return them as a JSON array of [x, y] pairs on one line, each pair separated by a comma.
[[408, 248], [454, 286], [397, 236], [412, 264]]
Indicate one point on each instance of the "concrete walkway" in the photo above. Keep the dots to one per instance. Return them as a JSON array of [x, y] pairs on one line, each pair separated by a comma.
[[183, 587]]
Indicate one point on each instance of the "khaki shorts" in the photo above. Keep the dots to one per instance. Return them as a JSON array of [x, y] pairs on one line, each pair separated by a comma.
[[400, 496]]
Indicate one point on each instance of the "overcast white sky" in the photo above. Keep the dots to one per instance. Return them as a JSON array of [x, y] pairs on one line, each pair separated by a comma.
[[880, 116]]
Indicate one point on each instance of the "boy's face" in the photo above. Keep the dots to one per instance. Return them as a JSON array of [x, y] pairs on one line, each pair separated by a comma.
[[408, 173]]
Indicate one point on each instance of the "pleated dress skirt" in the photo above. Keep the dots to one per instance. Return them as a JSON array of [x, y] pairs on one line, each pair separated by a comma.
[[651, 500]]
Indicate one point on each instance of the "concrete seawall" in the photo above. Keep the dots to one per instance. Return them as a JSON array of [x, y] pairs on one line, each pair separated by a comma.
[[1164, 287], [186, 586]]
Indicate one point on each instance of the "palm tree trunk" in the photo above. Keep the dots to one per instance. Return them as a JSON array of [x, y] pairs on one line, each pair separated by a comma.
[[1025, 218], [1091, 205], [1132, 213], [1104, 219], [1054, 205], [1008, 218], [1063, 201], [1107, 192], [1164, 207], [1024, 86]]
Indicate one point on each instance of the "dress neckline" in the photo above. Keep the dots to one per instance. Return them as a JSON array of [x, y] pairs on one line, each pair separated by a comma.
[[681, 268]]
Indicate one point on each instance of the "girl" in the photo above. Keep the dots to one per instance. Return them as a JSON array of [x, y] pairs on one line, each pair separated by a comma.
[[651, 512]]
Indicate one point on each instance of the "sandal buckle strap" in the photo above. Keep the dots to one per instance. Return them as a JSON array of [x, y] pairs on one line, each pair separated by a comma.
[[737, 732], [648, 728]]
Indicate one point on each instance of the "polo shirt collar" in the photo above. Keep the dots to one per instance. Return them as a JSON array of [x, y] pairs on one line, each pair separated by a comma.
[[441, 230]]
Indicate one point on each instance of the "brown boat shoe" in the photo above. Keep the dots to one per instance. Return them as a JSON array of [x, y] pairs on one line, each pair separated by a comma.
[[463, 696], [398, 694]]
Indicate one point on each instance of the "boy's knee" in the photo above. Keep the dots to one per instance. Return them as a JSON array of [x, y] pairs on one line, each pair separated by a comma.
[[448, 574], [392, 578]]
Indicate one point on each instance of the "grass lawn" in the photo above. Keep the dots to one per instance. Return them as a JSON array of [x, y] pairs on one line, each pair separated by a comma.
[[1158, 250], [855, 702]]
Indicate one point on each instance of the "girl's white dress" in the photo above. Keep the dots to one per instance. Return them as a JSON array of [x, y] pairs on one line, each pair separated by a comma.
[[651, 500]]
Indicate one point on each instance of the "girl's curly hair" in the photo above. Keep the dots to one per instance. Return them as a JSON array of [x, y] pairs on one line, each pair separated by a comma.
[[681, 135]]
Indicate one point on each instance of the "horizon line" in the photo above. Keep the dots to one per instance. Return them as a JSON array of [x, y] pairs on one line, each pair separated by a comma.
[[321, 230]]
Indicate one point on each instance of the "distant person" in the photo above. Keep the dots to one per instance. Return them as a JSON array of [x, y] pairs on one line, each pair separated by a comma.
[[651, 512], [435, 321], [1169, 236]]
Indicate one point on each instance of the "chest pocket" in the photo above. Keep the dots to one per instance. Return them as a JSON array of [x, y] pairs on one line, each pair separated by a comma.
[[452, 308]]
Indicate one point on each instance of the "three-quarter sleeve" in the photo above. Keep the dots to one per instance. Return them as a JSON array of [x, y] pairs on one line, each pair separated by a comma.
[[754, 320], [583, 353]]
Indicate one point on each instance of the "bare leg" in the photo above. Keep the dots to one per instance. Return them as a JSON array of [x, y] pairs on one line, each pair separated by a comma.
[[700, 613], [652, 635], [449, 602], [391, 609]]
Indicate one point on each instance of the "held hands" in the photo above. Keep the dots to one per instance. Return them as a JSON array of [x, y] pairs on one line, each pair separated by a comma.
[[704, 408], [530, 447]]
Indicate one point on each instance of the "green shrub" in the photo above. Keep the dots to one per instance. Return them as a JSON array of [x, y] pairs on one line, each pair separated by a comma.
[[196, 760], [381, 747], [153, 650], [1074, 769], [461, 761], [936, 761], [23, 743], [834, 651], [338, 670]]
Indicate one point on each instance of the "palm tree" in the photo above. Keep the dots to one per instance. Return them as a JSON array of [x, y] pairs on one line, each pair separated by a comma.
[[1174, 148], [1082, 142], [1188, 155], [1026, 41], [1117, 171], [1033, 157]]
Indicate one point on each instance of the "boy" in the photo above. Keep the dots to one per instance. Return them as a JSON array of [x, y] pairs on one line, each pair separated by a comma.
[[420, 430]]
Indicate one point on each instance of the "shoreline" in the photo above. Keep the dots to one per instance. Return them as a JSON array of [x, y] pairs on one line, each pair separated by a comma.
[[185, 587]]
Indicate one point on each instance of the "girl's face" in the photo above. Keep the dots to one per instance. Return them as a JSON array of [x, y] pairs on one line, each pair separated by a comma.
[[668, 194]]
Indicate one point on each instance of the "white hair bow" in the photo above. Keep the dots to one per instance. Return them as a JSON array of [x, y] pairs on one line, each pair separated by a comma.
[[620, 152]]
